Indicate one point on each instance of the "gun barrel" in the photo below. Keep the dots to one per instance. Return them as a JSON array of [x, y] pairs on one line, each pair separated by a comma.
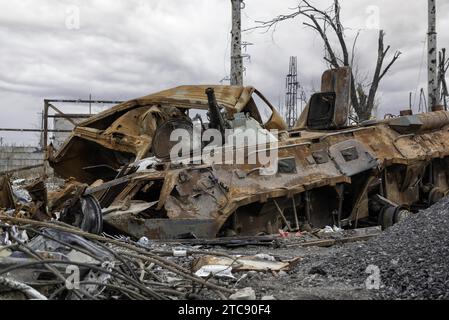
[[216, 118]]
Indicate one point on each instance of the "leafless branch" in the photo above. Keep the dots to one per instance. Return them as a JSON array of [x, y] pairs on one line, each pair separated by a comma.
[[353, 48], [328, 21], [393, 60]]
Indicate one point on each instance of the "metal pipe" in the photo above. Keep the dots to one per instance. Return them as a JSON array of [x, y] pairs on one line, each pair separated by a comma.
[[340, 191], [344, 132], [83, 101], [33, 130], [283, 216], [296, 213], [307, 201], [68, 115]]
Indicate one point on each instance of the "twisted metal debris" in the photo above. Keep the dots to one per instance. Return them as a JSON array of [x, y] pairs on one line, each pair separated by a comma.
[[108, 268]]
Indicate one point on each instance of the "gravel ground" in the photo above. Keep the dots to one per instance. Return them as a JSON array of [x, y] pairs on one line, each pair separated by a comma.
[[412, 260], [412, 257]]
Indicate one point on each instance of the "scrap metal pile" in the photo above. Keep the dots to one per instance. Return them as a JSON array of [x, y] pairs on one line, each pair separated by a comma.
[[54, 261]]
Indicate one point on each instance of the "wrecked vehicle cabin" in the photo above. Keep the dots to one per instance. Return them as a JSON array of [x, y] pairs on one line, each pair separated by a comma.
[[122, 178]]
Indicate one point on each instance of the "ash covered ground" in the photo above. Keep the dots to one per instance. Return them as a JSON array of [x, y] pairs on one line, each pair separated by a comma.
[[412, 257]]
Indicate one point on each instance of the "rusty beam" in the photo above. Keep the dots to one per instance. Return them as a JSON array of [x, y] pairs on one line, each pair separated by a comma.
[[32, 130], [69, 115], [62, 113], [83, 101], [283, 216]]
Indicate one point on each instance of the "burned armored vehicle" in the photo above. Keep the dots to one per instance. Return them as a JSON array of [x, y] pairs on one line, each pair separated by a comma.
[[325, 172]]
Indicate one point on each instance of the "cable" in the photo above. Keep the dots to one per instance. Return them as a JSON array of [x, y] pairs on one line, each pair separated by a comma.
[[420, 70], [19, 286], [80, 264]]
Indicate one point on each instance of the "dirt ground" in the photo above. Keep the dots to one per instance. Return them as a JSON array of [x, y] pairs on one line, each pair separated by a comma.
[[302, 282], [407, 261]]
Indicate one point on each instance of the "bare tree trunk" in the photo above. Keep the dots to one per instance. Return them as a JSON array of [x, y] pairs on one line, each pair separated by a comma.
[[320, 20], [376, 78], [378, 75]]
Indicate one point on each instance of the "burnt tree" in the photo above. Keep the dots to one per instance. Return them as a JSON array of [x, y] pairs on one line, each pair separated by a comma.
[[327, 23], [443, 67]]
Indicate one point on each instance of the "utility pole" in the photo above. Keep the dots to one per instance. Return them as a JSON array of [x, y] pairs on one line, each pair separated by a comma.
[[236, 47], [434, 96]]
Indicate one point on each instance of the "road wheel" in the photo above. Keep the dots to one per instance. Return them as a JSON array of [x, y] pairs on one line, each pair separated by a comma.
[[386, 218]]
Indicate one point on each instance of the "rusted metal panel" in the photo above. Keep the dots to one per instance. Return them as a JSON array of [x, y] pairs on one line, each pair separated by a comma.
[[231, 97], [164, 229], [38, 193], [339, 81], [352, 157]]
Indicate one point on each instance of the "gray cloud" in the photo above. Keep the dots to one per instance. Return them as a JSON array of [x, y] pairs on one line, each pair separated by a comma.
[[129, 48]]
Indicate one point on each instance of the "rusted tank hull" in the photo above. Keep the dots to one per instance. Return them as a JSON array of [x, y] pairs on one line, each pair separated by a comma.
[[345, 177], [250, 205]]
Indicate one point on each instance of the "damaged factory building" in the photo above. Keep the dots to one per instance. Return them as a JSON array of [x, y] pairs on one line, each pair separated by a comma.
[[121, 181]]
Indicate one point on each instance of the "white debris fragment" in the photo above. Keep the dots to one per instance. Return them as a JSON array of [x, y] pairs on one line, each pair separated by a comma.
[[18, 182], [333, 229], [144, 241], [337, 229], [216, 271], [328, 230], [177, 252], [147, 164], [21, 195], [244, 294], [266, 257]]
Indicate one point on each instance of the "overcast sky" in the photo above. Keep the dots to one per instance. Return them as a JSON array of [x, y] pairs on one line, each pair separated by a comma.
[[124, 49]]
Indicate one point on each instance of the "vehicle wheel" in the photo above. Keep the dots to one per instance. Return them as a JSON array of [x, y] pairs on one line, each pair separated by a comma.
[[85, 214], [386, 217], [435, 195], [401, 214]]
